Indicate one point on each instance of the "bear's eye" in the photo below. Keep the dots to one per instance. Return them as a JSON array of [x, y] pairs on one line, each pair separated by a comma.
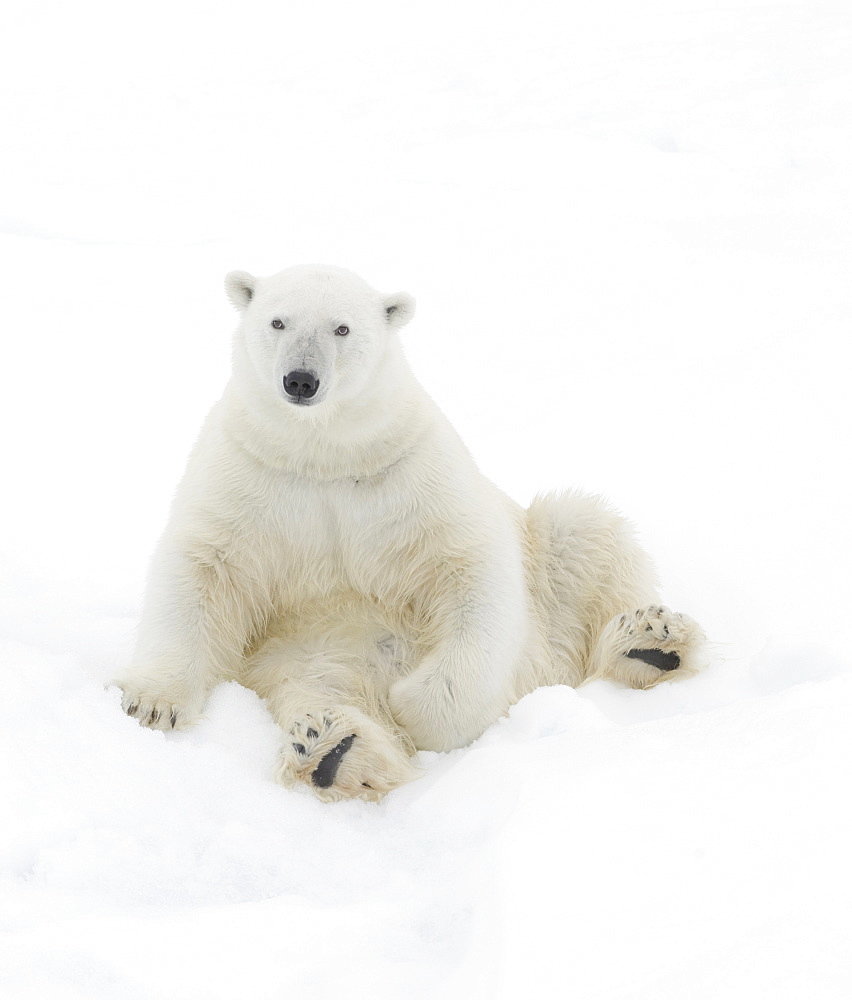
[[341, 331], [277, 324]]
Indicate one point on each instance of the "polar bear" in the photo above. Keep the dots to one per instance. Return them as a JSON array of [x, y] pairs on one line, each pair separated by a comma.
[[333, 546]]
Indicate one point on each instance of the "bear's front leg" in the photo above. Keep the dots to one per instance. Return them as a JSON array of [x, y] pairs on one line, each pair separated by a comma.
[[195, 625], [477, 624]]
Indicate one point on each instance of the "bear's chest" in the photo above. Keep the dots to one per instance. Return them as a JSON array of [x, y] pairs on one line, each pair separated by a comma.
[[348, 534]]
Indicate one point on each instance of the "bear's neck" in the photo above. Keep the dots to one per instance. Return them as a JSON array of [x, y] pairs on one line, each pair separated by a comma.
[[359, 439]]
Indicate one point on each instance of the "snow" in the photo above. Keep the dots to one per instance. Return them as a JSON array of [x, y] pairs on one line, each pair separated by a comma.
[[627, 227]]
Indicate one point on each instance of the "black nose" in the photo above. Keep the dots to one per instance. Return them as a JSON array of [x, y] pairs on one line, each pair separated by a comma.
[[301, 385]]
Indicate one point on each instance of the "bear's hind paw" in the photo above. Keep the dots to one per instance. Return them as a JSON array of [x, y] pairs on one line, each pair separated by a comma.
[[650, 645], [343, 754]]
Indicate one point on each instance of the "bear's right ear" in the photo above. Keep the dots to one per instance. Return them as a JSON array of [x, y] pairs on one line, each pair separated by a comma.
[[240, 287]]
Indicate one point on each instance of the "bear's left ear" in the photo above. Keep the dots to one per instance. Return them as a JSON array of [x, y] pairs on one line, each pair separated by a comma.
[[240, 286], [399, 309]]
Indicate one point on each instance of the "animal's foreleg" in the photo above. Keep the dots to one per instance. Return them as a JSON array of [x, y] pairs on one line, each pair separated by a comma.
[[193, 633], [477, 627]]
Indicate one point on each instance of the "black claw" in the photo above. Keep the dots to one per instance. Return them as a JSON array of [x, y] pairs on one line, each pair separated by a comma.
[[655, 657], [155, 715], [323, 776], [300, 749], [173, 718], [133, 709], [312, 734]]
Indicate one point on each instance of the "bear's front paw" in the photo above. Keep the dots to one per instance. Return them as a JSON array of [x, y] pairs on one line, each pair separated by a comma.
[[157, 710], [409, 699], [343, 754], [437, 712]]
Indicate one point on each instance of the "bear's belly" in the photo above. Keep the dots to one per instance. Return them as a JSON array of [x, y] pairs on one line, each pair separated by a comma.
[[347, 621]]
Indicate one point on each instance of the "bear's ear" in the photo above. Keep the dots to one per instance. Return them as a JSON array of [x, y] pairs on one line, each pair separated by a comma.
[[240, 287], [399, 308]]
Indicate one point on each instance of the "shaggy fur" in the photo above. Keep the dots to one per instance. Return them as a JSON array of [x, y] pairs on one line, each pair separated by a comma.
[[339, 552]]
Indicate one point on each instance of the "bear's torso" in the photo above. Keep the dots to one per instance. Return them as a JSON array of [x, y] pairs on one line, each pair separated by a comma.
[[303, 539]]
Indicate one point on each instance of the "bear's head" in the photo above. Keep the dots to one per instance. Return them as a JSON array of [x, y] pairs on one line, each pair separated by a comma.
[[315, 334]]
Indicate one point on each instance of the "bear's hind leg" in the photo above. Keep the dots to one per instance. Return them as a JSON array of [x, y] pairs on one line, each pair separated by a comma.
[[587, 572], [339, 737], [644, 647]]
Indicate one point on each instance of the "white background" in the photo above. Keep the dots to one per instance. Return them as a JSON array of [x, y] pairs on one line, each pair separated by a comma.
[[628, 230]]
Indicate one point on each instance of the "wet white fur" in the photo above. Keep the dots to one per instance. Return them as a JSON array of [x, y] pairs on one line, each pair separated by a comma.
[[347, 560]]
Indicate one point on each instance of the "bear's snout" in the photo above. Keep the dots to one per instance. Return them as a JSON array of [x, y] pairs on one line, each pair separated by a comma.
[[301, 385]]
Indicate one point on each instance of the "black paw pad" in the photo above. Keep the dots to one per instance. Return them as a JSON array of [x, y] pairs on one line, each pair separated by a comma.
[[656, 657], [323, 776]]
